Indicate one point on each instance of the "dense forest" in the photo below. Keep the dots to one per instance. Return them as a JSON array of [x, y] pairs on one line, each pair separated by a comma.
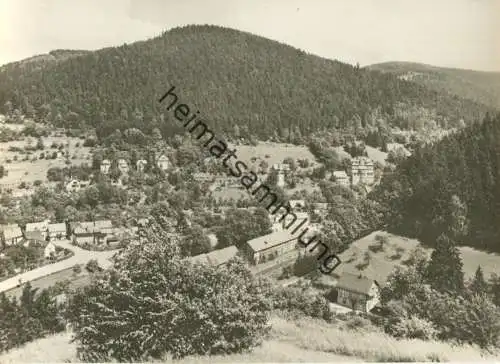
[[243, 85], [480, 86], [451, 187]]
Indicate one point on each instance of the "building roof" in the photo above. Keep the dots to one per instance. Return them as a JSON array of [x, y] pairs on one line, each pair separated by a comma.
[[12, 231], [34, 235], [105, 161], [216, 257], [40, 226], [340, 174], [295, 203], [270, 240], [53, 228], [321, 205], [201, 258], [91, 226], [221, 256], [362, 160], [355, 283]]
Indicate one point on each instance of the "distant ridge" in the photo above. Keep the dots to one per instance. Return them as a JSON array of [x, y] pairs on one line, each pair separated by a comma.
[[480, 86]]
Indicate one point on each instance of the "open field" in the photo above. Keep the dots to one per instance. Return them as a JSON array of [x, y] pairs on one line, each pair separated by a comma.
[[376, 155], [291, 340], [276, 152], [380, 264], [30, 171]]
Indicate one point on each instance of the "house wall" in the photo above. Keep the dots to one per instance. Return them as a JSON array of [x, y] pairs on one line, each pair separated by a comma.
[[361, 301], [282, 252], [375, 294]]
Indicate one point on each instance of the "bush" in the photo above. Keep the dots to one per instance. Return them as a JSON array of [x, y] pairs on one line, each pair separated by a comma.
[[152, 303], [302, 300], [37, 183], [92, 266], [414, 328], [77, 269]]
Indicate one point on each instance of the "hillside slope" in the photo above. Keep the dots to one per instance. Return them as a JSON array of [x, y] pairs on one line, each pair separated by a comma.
[[234, 78], [450, 187], [291, 340], [483, 87]]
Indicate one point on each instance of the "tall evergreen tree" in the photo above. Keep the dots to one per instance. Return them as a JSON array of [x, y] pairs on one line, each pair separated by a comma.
[[478, 284], [444, 272]]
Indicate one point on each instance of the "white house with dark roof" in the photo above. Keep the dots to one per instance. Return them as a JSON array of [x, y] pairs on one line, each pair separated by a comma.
[[57, 231], [279, 245], [11, 234], [163, 162], [141, 164], [341, 178], [362, 171], [357, 292], [123, 166]]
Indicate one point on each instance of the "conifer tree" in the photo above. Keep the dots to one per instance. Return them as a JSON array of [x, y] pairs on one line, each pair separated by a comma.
[[444, 272], [479, 285]]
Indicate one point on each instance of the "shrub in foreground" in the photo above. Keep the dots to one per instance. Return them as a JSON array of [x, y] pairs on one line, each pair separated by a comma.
[[152, 303]]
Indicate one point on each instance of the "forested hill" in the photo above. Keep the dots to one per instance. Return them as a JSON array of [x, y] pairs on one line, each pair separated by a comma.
[[234, 78], [38, 62], [483, 87], [450, 187]]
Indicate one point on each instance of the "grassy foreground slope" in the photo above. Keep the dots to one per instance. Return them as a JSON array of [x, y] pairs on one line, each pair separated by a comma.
[[483, 87], [291, 340]]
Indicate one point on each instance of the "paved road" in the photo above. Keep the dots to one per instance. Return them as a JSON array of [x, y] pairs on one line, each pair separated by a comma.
[[81, 256]]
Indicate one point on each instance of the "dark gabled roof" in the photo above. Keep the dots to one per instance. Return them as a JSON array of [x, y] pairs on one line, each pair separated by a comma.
[[216, 257], [355, 283], [270, 240]]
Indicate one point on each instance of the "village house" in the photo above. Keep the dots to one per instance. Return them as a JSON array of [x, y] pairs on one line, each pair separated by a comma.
[[280, 246], [11, 234], [341, 178], [34, 238], [75, 185], [57, 231], [41, 226], [320, 208], [297, 204], [105, 166], [202, 177], [123, 166], [93, 232], [50, 250], [163, 162], [362, 171], [284, 167], [141, 165], [357, 292], [216, 257]]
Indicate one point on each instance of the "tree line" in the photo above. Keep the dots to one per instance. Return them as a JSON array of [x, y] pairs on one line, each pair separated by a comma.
[[450, 187]]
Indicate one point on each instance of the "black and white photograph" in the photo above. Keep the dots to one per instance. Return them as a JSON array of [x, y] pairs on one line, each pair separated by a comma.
[[249, 181]]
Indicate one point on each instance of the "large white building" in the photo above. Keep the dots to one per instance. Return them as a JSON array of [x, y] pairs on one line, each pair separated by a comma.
[[341, 178], [163, 162], [362, 171]]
